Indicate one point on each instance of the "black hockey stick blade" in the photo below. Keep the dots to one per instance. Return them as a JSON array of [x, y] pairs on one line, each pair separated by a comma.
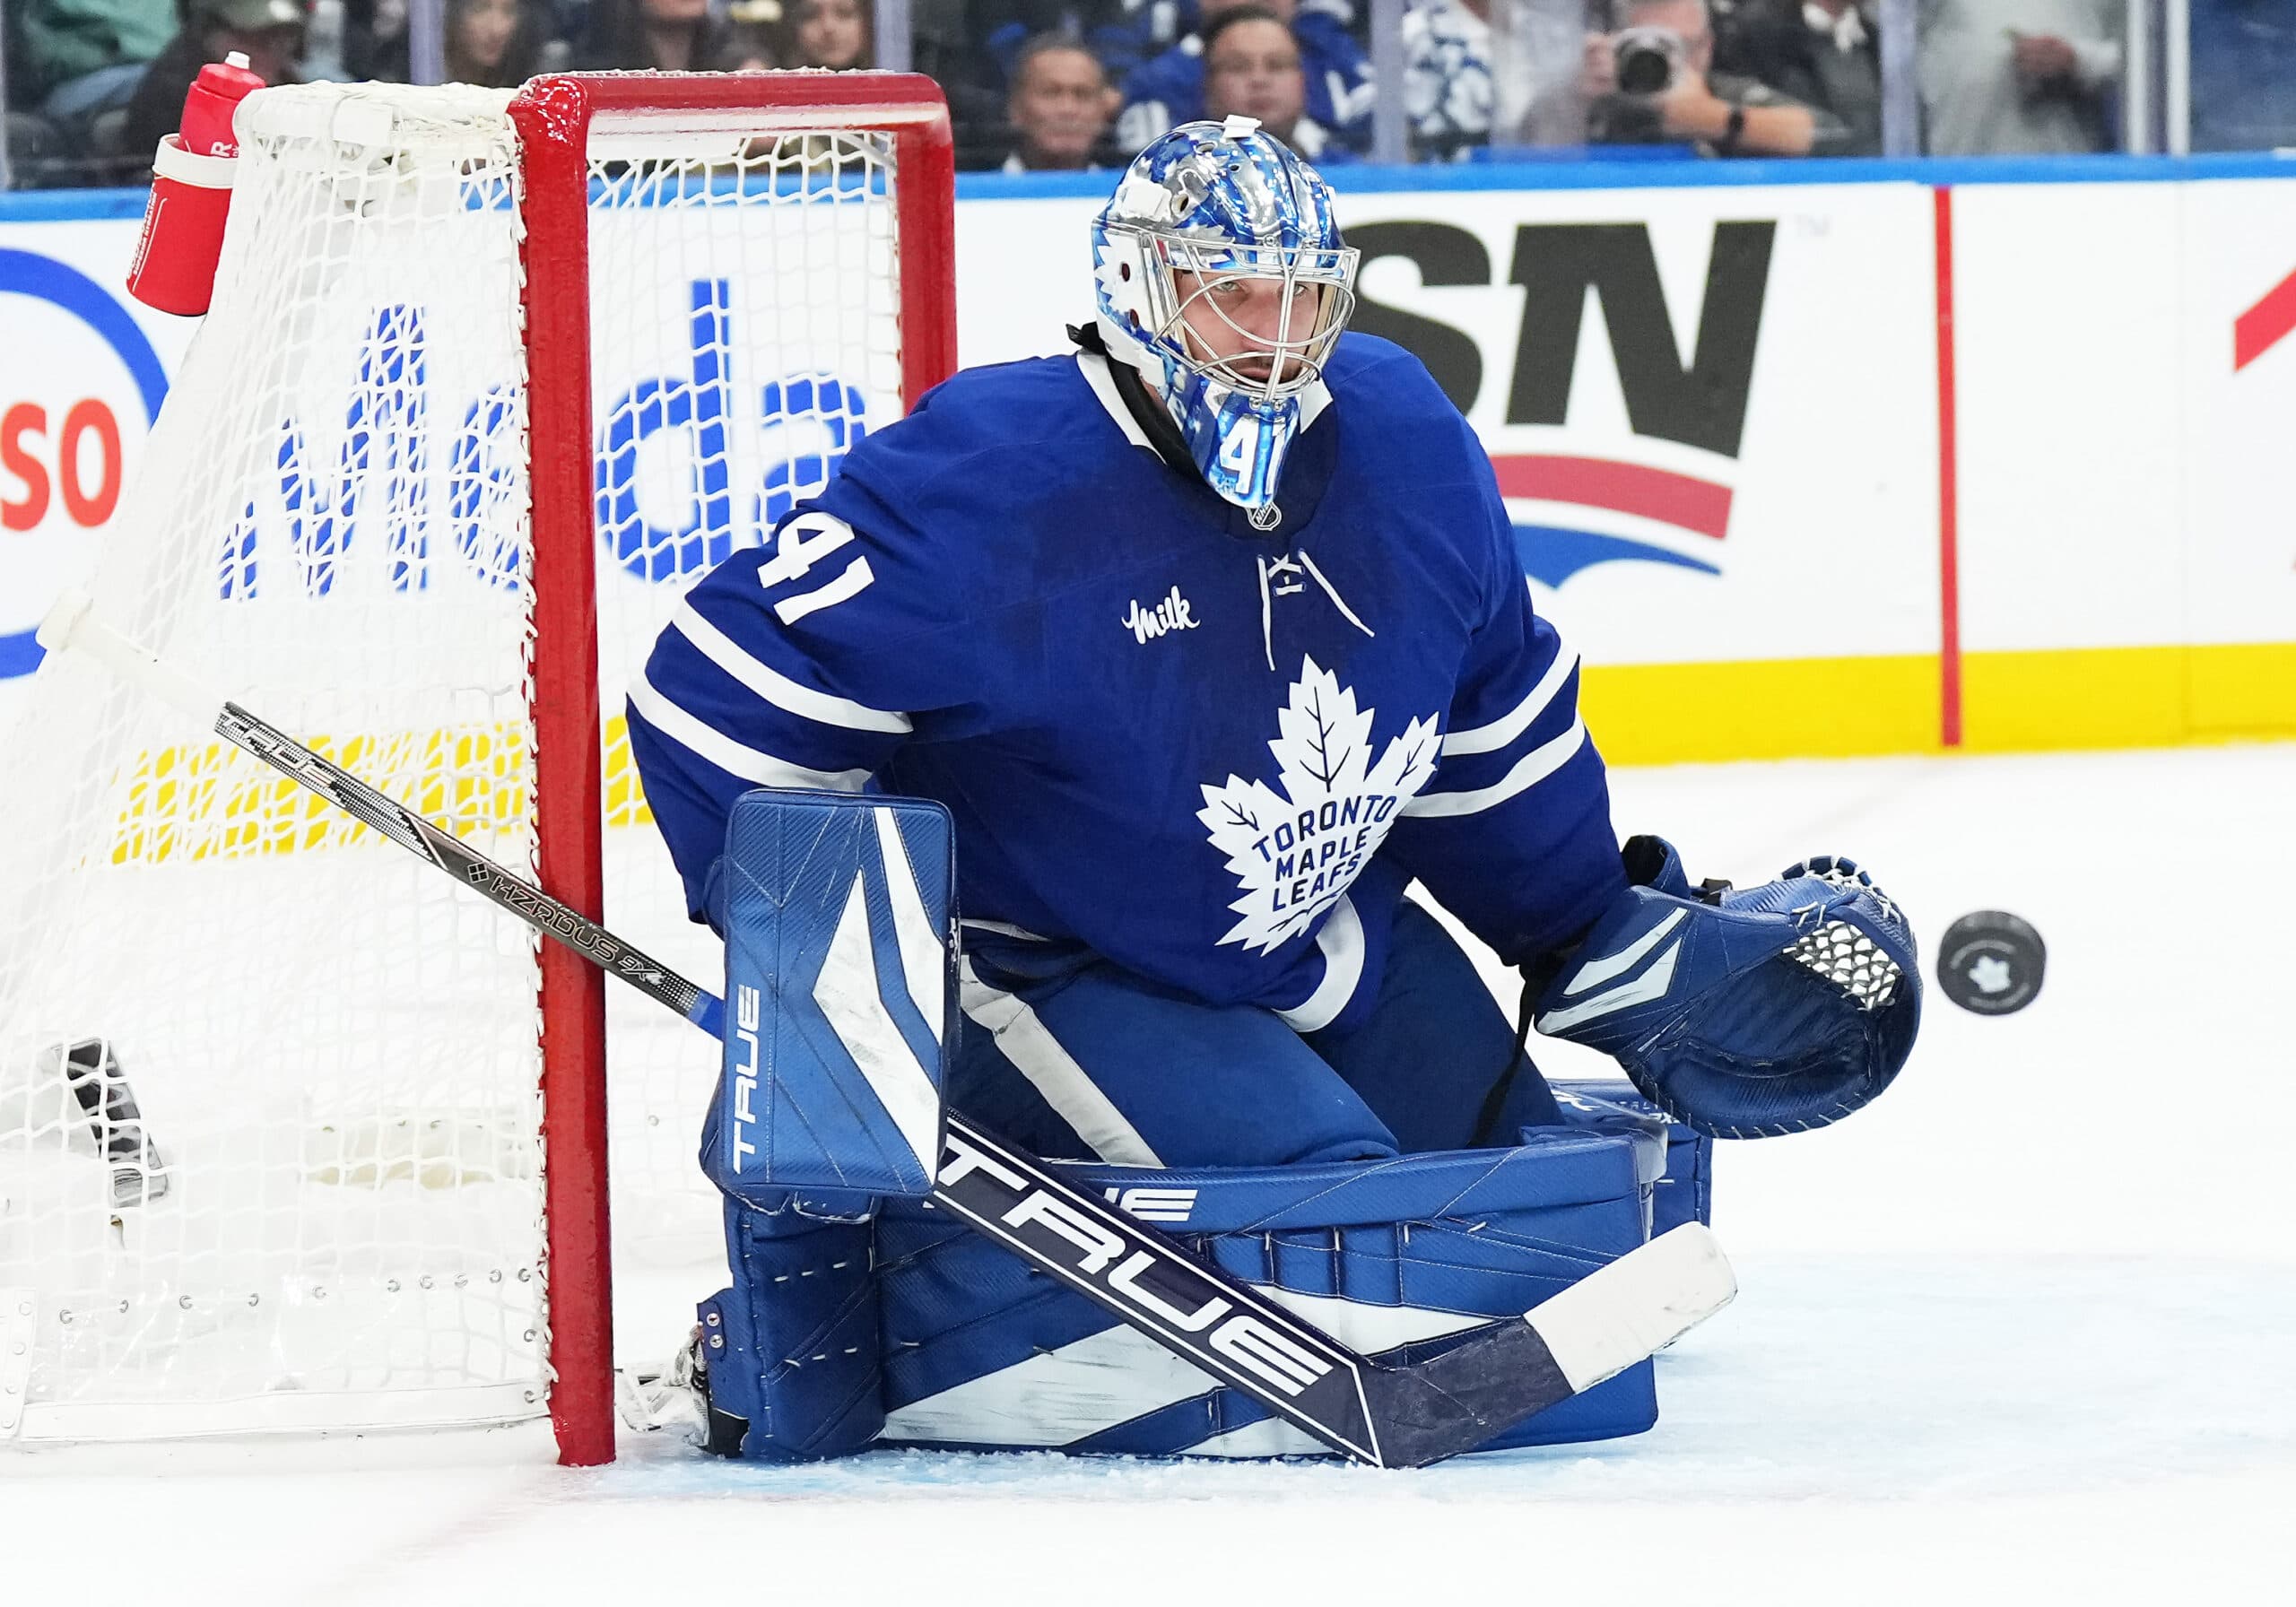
[[1386, 1416]]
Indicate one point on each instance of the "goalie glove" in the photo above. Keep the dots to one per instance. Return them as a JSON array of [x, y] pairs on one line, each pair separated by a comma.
[[1743, 1014]]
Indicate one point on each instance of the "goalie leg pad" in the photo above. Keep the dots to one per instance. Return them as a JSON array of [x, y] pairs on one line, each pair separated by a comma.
[[1396, 1257], [1683, 1188], [794, 1348], [953, 1342]]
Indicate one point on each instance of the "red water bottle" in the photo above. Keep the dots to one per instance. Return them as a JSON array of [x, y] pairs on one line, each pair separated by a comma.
[[174, 268], [216, 95]]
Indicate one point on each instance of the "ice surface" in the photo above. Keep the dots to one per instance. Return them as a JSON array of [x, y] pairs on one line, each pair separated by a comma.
[[2021, 1332]]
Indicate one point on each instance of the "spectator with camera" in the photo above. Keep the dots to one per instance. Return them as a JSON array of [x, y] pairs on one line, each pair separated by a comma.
[[2018, 77], [1652, 82], [1825, 54], [1173, 88], [1059, 108]]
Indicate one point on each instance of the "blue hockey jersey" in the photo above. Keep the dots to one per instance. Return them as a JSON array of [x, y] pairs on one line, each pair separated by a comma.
[[1211, 755]]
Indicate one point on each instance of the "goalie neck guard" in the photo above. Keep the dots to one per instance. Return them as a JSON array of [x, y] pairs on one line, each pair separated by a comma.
[[1223, 203]]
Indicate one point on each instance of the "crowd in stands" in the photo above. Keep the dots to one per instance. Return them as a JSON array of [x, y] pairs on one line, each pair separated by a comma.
[[92, 85]]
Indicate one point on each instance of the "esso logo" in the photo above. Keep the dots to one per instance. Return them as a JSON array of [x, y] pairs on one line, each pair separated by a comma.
[[80, 385], [86, 482]]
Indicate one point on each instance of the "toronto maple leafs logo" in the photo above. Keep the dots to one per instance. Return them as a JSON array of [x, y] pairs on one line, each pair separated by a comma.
[[1296, 850]]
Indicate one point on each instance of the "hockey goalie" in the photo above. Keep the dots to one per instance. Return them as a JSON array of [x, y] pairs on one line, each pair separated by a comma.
[[1174, 661]]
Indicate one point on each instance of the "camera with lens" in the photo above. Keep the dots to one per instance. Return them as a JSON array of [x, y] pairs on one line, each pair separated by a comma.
[[1646, 60]]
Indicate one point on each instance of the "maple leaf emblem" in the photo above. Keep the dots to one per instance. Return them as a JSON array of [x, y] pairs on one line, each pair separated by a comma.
[[1295, 847], [1990, 973]]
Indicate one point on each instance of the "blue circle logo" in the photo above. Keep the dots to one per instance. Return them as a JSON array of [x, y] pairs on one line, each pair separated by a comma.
[[65, 288]]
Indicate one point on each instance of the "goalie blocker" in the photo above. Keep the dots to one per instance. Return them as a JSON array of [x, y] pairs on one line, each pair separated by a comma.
[[840, 916]]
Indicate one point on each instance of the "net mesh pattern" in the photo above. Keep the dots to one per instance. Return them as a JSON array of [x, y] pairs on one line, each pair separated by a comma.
[[270, 1139], [746, 334]]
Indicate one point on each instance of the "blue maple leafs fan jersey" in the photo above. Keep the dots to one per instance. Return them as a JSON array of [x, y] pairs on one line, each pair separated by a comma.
[[1210, 755]]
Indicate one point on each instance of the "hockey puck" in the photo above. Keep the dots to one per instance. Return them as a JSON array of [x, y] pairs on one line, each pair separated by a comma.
[[1990, 963]]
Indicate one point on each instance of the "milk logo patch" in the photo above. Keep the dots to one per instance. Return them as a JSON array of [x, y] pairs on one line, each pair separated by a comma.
[[1294, 847], [1170, 612]]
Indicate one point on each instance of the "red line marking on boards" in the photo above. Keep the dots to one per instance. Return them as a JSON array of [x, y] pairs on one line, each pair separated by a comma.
[[2266, 324], [1696, 505], [1949, 556]]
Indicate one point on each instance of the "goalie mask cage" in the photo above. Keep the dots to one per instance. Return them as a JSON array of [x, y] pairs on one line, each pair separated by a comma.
[[295, 1134]]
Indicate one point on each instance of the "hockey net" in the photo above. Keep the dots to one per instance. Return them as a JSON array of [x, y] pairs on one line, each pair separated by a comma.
[[273, 1094]]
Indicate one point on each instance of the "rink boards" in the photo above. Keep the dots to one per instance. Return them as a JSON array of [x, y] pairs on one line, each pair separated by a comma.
[[1801, 465]]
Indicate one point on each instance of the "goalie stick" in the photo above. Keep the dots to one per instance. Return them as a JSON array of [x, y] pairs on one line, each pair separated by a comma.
[[1387, 1416]]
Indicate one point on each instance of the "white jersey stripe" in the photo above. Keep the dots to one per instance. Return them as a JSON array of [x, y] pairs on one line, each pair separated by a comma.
[[1532, 769], [1067, 1087], [775, 688], [1483, 739], [1341, 939], [851, 580], [736, 758]]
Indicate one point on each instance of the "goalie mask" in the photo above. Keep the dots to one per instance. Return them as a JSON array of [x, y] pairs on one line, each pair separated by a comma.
[[1201, 211]]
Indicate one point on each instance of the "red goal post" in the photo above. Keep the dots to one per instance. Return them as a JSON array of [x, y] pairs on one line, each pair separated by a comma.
[[555, 118]]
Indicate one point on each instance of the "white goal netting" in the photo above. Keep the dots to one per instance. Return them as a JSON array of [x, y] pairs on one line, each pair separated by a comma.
[[270, 1136]]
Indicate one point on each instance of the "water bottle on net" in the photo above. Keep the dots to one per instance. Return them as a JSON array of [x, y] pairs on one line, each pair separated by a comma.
[[174, 266]]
